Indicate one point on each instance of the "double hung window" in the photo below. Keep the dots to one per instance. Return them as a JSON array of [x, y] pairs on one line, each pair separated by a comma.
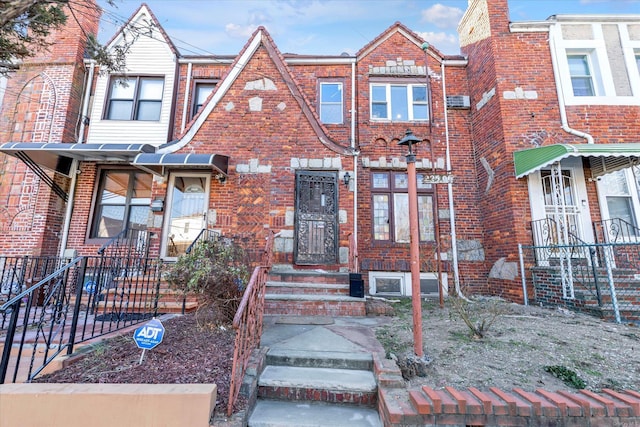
[[581, 73], [399, 102], [331, 99], [391, 207], [135, 98], [123, 202]]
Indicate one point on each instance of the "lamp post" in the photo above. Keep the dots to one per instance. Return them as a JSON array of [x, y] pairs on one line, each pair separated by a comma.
[[414, 238]]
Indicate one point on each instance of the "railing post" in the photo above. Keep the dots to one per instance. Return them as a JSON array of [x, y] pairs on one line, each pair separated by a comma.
[[8, 341], [594, 268], [78, 303], [612, 288], [524, 280]]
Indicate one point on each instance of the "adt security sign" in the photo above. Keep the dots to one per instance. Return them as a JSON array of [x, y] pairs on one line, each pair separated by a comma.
[[149, 335]]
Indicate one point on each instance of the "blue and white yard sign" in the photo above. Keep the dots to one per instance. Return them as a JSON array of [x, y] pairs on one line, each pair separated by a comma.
[[149, 335]]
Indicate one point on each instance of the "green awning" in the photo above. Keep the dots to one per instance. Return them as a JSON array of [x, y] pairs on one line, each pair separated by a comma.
[[604, 158]]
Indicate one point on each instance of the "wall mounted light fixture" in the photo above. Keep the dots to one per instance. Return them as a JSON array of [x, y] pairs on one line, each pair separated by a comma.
[[346, 178]]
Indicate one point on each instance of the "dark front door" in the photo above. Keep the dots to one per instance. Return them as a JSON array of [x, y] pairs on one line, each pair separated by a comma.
[[316, 231]]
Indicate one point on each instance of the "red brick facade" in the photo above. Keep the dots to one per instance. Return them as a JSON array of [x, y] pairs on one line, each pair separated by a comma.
[[41, 104], [266, 120]]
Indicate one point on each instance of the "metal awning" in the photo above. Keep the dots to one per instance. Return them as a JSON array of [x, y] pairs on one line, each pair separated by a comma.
[[57, 156], [604, 158], [158, 163]]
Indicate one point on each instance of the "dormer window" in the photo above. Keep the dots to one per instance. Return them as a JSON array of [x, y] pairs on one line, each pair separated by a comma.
[[135, 98], [399, 102]]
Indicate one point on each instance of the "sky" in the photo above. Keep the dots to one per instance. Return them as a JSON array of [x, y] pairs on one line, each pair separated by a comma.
[[326, 27]]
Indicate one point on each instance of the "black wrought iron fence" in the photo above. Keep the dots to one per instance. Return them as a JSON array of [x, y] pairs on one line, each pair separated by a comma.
[[205, 235], [84, 299], [604, 281]]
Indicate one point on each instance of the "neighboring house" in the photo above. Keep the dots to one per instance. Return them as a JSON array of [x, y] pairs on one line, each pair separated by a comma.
[[556, 104], [307, 147]]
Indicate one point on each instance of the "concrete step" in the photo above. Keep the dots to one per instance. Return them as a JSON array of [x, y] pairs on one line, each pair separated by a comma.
[[318, 384], [269, 413], [307, 288], [320, 359], [314, 305]]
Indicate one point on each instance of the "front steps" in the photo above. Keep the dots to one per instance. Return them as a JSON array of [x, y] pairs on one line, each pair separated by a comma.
[[311, 293], [311, 388]]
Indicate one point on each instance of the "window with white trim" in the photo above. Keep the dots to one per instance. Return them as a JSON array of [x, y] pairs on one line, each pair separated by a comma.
[[390, 207], [135, 98], [621, 190], [399, 102], [581, 71], [123, 202], [331, 103]]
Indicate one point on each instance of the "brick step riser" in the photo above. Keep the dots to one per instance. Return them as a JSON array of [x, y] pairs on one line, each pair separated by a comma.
[[148, 294], [310, 362], [369, 399], [282, 290], [314, 308], [143, 309], [340, 279]]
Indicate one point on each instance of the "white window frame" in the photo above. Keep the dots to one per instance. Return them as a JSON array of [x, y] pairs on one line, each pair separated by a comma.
[[410, 103], [588, 76], [634, 194], [327, 103], [405, 282]]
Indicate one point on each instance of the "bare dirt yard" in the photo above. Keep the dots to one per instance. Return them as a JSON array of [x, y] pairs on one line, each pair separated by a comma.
[[515, 351], [526, 346]]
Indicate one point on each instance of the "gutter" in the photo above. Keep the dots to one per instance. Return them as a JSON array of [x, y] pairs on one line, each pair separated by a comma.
[[553, 33]]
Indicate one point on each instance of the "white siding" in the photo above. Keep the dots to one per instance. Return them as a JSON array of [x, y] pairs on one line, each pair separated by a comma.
[[150, 56]]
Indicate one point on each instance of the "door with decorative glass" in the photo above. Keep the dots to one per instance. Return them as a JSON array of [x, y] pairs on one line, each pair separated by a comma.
[[316, 225], [188, 200]]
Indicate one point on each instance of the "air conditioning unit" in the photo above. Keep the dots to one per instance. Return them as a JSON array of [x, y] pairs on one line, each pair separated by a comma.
[[458, 102]]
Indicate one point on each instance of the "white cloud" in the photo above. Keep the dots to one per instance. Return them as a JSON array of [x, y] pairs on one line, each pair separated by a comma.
[[239, 31], [446, 43], [442, 16]]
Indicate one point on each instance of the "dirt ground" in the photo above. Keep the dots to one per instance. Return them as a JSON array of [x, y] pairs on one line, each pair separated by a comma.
[[513, 353], [518, 346], [193, 350]]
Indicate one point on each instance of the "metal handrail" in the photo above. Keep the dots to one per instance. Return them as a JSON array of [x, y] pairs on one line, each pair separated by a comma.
[[83, 299], [614, 230], [247, 322], [205, 233]]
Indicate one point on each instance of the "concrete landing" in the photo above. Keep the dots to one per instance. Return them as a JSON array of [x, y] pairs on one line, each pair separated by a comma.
[[269, 413]]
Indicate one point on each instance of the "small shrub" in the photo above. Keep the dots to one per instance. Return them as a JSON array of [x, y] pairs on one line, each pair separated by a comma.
[[478, 323], [568, 376], [216, 271]]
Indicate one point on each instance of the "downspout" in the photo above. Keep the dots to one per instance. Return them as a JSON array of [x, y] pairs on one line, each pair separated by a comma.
[[355, 159], [452, 218], [74, 164], [186, 98], [556, 75]]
